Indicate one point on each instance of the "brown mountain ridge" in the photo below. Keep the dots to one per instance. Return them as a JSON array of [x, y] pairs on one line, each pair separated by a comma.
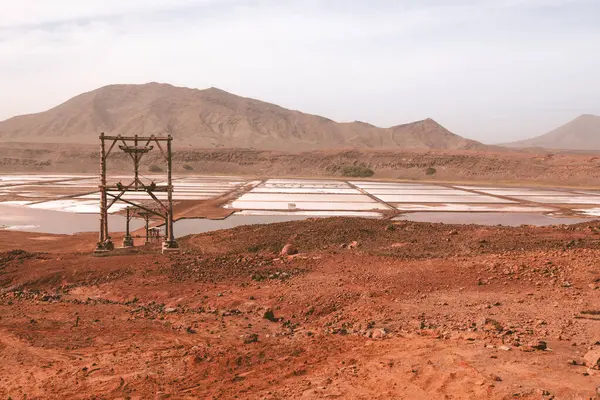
[[214, 118], [582, 133]]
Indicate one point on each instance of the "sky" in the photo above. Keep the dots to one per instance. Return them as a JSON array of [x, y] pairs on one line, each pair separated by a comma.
[[490, 70]]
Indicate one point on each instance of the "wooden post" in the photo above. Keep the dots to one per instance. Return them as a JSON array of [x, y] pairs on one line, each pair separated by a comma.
[[128, 240], [103, 225], [147, 218], [170, 235], [127, 223], [136, 165]]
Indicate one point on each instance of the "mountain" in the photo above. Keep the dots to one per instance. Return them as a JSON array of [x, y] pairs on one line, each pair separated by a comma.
[[583, 133], [213, 118]]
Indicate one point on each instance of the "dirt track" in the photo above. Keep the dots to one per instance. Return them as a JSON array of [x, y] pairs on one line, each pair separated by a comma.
[[415, 311]]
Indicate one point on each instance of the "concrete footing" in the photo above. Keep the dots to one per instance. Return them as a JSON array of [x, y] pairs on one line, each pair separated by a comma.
[[104, 247], [127, 241], [101, 253], [170, 248]]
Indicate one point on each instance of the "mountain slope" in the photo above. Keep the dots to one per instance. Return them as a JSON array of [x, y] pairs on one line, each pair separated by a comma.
[[583, 133], [213, 118]]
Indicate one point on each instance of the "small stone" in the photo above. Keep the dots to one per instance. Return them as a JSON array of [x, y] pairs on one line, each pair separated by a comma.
[[250, 338], [270, 315], [539, 345], [353, 245], [489, 324], [170, 310], [504, 348], [379, 333], [289, 250], [592, 358]]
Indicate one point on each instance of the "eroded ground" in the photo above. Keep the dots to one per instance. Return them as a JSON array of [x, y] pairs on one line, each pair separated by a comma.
[[411, 310]]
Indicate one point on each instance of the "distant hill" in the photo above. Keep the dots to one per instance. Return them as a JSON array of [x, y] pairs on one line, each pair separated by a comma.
[[583, 133], [214, 118]]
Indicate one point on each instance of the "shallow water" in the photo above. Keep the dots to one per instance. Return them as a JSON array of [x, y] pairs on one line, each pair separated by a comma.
[[507, 219], [57, 222]]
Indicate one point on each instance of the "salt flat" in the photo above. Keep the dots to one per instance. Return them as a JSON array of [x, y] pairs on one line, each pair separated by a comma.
[[473, 208], [307, 205], [300, 197], [472, 198]]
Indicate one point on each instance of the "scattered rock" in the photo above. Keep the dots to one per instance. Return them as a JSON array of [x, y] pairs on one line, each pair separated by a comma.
[[352, 245], [289, 250], [538, 345], [379, 333], [489, 324], [270, 315], [592, 358], [191, 330], [170, 310], [250, 338], [504, 348]]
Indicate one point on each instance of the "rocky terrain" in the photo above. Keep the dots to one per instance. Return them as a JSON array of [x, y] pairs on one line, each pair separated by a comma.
[[213, 118], [583, 133], [352, 309]]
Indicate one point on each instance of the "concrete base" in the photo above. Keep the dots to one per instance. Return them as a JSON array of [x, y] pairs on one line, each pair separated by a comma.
[[101, 253], [104, 247], [127, 241], [170, 248], [119, 251]]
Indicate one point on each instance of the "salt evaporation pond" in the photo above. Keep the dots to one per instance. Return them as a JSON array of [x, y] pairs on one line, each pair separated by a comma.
[[18, 218]]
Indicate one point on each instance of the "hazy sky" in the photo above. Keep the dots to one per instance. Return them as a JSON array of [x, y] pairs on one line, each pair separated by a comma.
[[491, 70]]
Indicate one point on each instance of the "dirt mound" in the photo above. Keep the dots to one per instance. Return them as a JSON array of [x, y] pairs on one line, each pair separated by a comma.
[[213, 118], [583, 133]]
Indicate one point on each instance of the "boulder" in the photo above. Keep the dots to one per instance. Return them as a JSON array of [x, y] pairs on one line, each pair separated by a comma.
[[539, 345], [250, 338], [289, 250], [379, 333], [592, 358], [353, 245], [489, 324]]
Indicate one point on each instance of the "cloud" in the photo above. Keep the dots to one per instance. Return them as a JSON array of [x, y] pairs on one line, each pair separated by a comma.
[[38, 12], [491, 70]]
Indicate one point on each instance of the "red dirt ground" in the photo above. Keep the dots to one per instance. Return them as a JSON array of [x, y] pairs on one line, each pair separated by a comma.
[[415, 311]]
